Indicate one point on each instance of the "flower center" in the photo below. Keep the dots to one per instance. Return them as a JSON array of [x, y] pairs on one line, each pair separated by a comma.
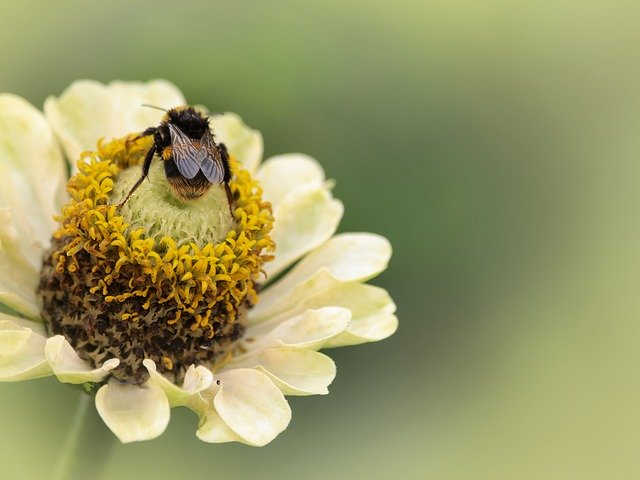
[[158, 278]]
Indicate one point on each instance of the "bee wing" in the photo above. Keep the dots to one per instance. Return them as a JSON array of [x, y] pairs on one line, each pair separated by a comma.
[[211, 165], [185, 153]]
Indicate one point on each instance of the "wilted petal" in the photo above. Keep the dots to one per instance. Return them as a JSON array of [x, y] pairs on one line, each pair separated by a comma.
[[69, 367], [244, 143], [295, 371], [283, 174], [304, 220], [251, 406], [132, 412], [88, 110], [21, 352], [196, 380]]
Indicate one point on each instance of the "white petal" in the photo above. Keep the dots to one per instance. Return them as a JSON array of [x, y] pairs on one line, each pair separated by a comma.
[[212, 429], [196, 380], [372, 328], [33, 177], [371, 307], [18, 276], [312, 329], [69, 367], [304, 220], [346, 257], [251, 406], [35, 326], [244, 143], [283, 174], [88, 110], [21, 352], [132, 412], [32, 170], [295, 371]]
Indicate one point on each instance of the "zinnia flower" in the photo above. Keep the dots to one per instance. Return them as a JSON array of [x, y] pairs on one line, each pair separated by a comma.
[[162, 303]]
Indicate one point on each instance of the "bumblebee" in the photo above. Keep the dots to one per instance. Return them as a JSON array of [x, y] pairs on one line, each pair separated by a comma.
[[192, 160]]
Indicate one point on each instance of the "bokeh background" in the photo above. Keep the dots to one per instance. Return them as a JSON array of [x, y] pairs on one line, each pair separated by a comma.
[[495, 143]]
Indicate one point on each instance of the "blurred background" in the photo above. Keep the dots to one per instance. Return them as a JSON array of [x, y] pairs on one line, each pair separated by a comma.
[[495, 143]]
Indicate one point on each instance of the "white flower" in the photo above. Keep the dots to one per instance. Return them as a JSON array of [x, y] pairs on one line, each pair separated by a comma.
[[320, 302]]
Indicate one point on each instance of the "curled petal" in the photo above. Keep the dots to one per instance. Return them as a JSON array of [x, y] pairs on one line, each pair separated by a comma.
[[251, 406], [244, 143], [21, 352], [295, 371], [347, 257], [304, 220], [132, 412], [69, 367], [312, 329], [196, 380], [88, 110], [281, 175], [372, 309], [372, 328], [212, 429]]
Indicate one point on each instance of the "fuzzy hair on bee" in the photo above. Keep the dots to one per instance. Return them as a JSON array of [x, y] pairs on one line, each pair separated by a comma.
[[192, 159]]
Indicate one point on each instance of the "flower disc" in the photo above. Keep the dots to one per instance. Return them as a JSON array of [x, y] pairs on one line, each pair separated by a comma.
[[158, 278]]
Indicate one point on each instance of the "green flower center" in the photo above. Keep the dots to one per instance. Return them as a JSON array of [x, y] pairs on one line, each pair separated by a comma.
[[155, 209], [158, 278]]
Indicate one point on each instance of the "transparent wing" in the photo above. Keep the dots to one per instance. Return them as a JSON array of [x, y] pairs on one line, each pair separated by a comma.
[[211, 165], [187, 156]]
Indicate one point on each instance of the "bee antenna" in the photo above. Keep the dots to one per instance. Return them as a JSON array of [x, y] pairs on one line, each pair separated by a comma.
[[153, 106]]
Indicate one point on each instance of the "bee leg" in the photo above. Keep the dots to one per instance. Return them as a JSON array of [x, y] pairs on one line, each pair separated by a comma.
[[145, 171], [229, 198], [146, 133]]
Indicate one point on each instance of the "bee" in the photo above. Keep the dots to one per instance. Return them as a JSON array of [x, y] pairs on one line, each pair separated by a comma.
[[192, 159]]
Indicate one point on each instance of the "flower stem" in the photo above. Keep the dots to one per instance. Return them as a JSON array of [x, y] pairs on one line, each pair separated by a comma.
[[86, 449]]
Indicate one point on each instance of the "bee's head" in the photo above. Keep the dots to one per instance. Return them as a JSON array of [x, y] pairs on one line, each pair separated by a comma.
[[189, 120]]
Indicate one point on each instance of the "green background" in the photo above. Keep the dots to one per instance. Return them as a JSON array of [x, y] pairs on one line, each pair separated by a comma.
[[494, 143]]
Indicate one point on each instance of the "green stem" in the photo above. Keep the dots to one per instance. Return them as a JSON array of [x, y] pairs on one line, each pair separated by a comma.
[[86, 449]]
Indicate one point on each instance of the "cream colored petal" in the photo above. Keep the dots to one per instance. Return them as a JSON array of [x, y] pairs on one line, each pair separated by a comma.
[[21, 352], [304, 220], [35, 326], [196, 380], [69, 367], [347, 257], [371, 307], [32, 181], [295, 371], [88, 110], [251, 406], [372, 328], [212, 429], [283, 174], [311, 330], [32, 170], [19, 276], [133, 413], [244, 143]]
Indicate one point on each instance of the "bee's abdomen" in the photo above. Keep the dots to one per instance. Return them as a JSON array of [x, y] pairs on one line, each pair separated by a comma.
[[185, 188]]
